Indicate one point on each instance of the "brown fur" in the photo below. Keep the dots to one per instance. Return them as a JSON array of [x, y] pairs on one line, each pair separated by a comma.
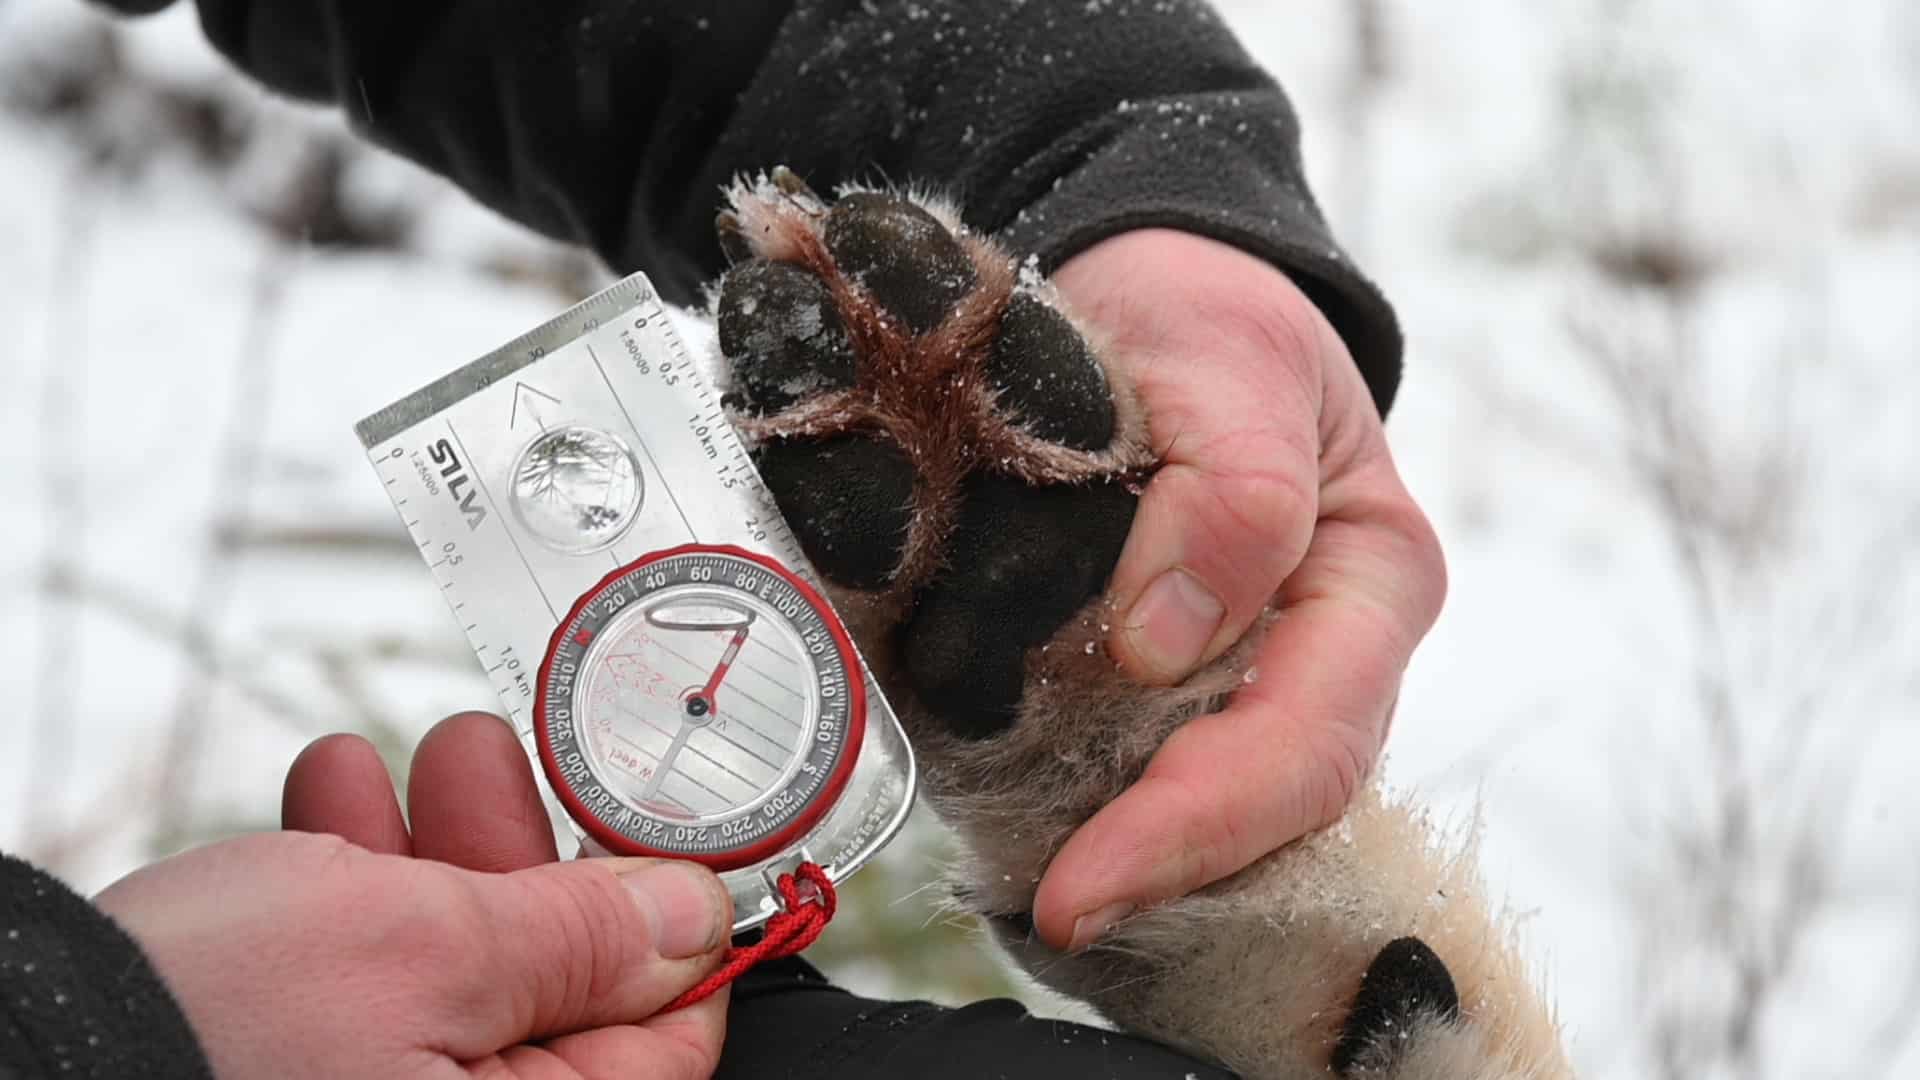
[[1258, 970]]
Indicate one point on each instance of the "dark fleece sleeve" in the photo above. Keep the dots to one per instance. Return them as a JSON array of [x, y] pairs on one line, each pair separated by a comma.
[[77, 996], [613, 123], [786, 1021]]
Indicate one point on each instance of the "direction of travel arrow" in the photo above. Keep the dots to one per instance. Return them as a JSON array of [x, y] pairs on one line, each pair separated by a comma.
[[521, 389]]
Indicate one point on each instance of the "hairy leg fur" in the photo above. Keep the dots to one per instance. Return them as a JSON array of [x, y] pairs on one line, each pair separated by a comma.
[[961, 464]]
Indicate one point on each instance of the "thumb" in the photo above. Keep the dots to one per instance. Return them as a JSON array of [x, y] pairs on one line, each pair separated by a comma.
[[566, 947]]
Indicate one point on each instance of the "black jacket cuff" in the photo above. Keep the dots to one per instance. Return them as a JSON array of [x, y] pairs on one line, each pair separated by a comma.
[[1213, 165], [77, 996]]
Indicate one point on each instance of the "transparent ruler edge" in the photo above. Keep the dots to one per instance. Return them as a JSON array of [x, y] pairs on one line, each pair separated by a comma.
[[520, 353]]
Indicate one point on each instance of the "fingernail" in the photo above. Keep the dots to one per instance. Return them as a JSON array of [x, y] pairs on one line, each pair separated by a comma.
[[1087, 929], [1172, 623], [684, 904]]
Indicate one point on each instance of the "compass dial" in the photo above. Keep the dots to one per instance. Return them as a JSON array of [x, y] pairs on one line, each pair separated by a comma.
[[702, 702]]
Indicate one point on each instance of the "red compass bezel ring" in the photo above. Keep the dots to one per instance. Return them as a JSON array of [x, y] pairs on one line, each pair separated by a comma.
[[618, 843]]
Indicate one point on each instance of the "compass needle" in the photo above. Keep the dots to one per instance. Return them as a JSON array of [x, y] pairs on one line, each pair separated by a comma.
[[661, 770]]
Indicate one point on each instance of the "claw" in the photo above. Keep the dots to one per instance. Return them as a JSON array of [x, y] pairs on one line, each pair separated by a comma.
[[733, 237], [791, 185]]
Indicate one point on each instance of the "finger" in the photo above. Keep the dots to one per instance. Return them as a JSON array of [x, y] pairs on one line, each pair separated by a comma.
[[1287, 754], [680, 1045], [339, 785], [473, 799], [573, 946], [698, 1030]]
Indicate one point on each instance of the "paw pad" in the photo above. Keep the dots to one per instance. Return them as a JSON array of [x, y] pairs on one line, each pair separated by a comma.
[[901, 256], [849, 500], [780, 322], [943, 439], [1047, 376], [1406, 983]]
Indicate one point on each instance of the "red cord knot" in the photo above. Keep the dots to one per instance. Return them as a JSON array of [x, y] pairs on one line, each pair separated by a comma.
[[808, 902]]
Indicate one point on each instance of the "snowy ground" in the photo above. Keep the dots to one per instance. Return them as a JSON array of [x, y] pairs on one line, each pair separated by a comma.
[[177, 390]]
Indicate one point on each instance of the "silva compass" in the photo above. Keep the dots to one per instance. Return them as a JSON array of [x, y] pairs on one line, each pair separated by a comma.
[[702, 702], [657, 637]]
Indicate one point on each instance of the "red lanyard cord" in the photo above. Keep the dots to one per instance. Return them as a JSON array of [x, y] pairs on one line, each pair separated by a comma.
[[792, 929]]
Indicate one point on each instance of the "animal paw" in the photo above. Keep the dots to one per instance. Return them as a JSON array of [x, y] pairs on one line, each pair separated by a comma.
[[961, 463], [957, 461]]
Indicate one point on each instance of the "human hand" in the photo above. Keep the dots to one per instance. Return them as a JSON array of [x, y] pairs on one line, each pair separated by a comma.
[[460, 948], [1277, 487]]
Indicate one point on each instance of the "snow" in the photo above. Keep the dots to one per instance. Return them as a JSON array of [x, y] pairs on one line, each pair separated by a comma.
[[1556, 700]]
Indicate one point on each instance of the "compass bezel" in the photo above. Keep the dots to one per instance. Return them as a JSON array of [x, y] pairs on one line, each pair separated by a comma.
[[792, 825]]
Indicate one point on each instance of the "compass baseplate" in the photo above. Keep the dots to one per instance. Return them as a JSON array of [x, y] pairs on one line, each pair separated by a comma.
[[476, 463]]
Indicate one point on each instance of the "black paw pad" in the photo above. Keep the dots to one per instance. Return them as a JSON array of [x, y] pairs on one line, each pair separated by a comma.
[[780, 329], [1405, 982], [905, 259], [1046, 375], [1020, 562], [849, 501]]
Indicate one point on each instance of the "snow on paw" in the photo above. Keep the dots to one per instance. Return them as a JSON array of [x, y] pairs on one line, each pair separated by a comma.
[[779, 320], [961, 463]]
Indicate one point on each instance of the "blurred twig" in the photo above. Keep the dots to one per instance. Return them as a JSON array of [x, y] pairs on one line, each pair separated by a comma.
[[214, 666], [324, 537], [235, 464], [63, 492], [1369, 67]]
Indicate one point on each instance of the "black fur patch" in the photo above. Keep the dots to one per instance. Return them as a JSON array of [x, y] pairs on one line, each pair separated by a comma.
[[1020, 562], [1018, 924], [848, 499], [780, 330], [1405, 981], [733, 241], [1047, 376], [902, 256]]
